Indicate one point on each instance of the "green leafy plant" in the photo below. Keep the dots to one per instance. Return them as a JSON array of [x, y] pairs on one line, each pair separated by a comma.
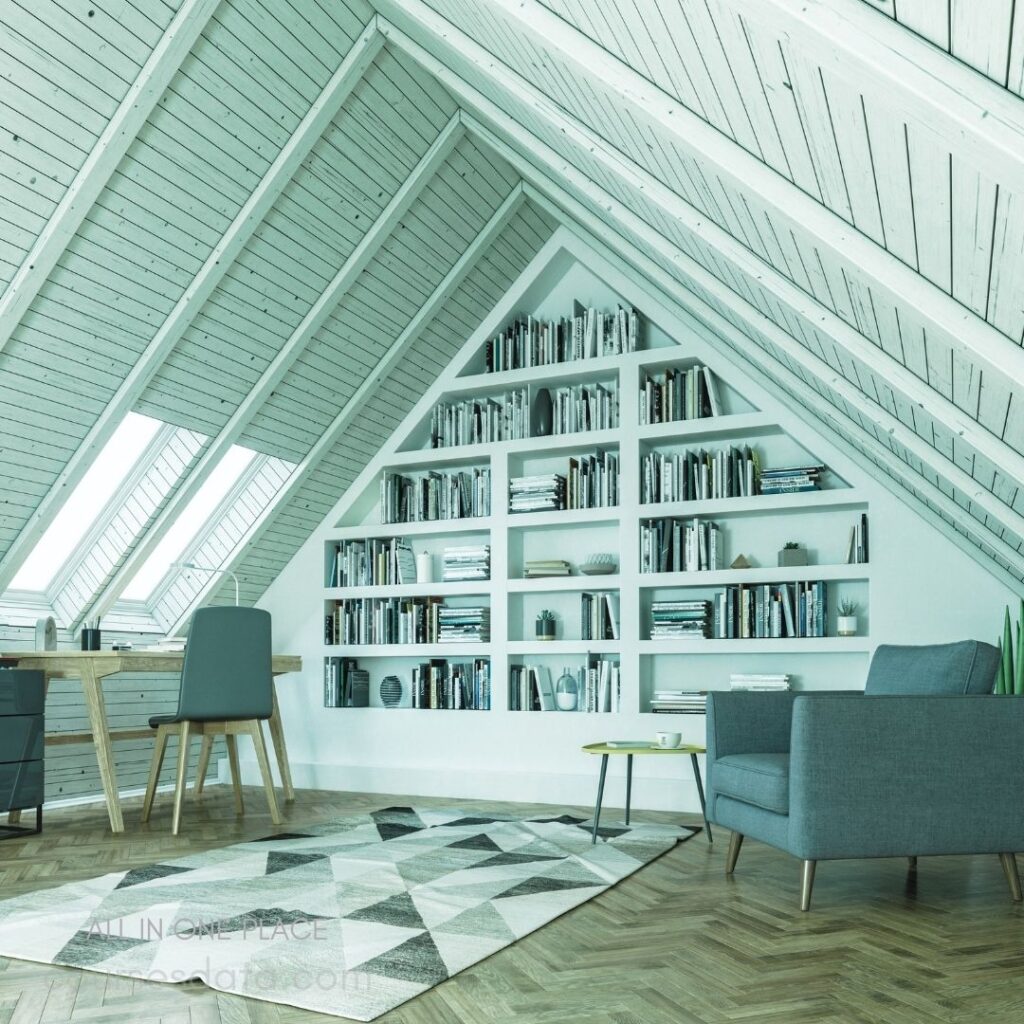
[[791, 545], [847, 608], [1010, 674], [545, 614]]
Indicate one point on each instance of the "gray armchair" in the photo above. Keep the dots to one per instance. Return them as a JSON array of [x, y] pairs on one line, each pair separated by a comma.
[[925, 761]]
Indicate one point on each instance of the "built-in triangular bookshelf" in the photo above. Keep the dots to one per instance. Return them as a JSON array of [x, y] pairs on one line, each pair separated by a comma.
[[696, 403]]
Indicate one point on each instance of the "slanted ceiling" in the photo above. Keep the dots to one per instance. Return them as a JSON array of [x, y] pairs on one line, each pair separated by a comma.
[[273, 222]]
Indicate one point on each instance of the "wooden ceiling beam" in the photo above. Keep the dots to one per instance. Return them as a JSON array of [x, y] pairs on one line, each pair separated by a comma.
[[113, 143], [319, 116]]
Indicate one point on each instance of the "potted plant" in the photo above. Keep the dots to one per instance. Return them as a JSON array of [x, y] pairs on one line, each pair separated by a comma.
[[847, 622], [546, 624], [792, 554], [1010, 674]]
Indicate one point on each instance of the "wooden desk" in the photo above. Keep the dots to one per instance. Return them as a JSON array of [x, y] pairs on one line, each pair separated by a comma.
[[91, 667]]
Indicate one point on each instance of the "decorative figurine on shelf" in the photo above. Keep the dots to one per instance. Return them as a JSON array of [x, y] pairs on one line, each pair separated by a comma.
[[541, 413], [740, 562], [598, 565], [567, 691], [546, 625], [792, 554], [391, 691], [846, 624]]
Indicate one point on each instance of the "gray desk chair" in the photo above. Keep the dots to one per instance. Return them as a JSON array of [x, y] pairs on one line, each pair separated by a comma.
[[226, 689]]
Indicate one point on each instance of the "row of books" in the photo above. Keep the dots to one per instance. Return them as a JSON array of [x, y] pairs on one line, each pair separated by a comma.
[[791, 480], [405, 620], [678, 545], [599, 616], [346, 685], [587, 334], [680, 620], [770, 611], [699, 475], [452, 686], [598, 687], [435, 496], [679, 393], [857, 547], [593, 481], [760, 681], [469, 562], [372, 563], [584, 407], [679, 702], [481, 420]]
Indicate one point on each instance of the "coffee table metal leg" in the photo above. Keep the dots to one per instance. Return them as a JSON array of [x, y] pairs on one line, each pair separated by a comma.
[[600, 796], [629, 782], [700, 793]]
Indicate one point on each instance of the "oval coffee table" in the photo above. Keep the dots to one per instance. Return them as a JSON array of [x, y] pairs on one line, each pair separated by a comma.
[[606, 751]]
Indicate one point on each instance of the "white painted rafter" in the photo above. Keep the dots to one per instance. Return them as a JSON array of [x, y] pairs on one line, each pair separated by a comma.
[[557, 166], [91, 178], [390, 359], [318, 314], [319, 116]]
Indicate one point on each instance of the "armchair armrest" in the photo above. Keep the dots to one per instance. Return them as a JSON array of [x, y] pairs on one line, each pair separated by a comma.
[[741, 722], [905, 775]]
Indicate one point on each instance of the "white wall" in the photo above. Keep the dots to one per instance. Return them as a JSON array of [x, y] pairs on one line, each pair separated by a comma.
[[924, 589]]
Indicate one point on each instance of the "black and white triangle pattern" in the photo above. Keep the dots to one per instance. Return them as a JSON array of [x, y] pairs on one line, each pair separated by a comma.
[[350, 918]]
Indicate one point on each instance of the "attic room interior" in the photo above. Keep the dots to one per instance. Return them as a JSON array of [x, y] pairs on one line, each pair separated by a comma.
[[511, 511]]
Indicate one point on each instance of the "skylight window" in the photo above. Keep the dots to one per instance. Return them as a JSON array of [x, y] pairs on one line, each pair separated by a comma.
[[188, 524], [108, 471]]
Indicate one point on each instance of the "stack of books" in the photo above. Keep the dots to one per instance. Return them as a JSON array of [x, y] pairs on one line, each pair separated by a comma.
[[679, 702], [599, 616], [456, 495], [169, 644], [598, 683], [680, 620], [593, 481], [463, 625], [538, 568], [768, 681], [770, 611], [372, 563], [481, 420], [679, 394], [857, 548], [674, 545], [466, 563], [584, 407], [699, 475], [791, 480], [452, 686], [346, 685], [544, 492]]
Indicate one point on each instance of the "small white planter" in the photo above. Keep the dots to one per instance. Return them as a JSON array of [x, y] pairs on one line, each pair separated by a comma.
[[847, 625]]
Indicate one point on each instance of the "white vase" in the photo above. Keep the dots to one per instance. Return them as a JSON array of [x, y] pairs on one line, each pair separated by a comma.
[[424, 567], [847, 625]]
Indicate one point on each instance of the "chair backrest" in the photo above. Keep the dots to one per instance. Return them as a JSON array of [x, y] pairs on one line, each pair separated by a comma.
[[967, 666], [226, 675]]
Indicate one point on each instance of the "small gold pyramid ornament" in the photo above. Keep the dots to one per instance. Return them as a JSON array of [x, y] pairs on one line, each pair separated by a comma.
[[740, 562]]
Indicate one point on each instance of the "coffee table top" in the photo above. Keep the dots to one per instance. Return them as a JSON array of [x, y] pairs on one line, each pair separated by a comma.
[[603, 748]]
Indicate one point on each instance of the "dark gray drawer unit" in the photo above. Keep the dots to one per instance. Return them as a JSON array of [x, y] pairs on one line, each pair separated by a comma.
[[22, 734]]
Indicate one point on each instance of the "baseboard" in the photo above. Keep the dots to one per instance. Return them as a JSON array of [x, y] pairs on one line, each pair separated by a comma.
[[573, 789]]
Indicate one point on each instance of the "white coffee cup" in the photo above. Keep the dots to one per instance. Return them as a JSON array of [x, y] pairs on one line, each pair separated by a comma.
[[668, 740]]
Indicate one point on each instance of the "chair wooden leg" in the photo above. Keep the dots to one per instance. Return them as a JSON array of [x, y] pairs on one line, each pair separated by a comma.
[[181, 780], [256, 731], [236, 774], [911, 863], [1009, 862], [806, 884], [205, 751], [735, 842], [159, 749]]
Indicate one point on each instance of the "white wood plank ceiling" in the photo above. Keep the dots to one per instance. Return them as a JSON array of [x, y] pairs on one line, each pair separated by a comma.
[[271, 223]]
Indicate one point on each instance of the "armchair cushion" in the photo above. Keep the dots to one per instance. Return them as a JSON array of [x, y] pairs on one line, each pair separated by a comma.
[[964, 667], [759, 779]]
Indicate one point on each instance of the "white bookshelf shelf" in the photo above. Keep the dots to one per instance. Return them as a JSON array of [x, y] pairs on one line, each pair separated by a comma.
[[537, 647], [785, 645], [433, 527], [753, 576], [707, 428], [563, 517], [562, 584], [760, 504], [456, 652], [480, 588]]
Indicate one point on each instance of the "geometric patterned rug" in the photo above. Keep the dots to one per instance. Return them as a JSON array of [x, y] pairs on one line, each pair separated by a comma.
[[351, 917]]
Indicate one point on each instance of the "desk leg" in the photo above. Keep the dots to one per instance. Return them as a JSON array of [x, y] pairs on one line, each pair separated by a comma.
[[96, 707], [629, 782], [700, 793], [600, 796], [277, 736], [13, 817]]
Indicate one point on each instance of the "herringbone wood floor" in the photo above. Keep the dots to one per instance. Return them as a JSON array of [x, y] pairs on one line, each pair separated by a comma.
[[675, 944]]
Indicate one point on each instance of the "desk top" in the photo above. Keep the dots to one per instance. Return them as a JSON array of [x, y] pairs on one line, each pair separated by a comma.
[[109, 662], [603, 748]]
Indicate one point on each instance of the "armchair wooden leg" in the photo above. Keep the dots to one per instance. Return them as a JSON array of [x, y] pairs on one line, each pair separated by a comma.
[[204, 762], [236, 773], [1009, 862], [256, 732], [911, 863], [181, 780], [159, 749], [735, 842], [806, 884]]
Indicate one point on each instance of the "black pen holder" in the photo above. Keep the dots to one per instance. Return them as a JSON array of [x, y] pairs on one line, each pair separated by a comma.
[[90, 639]]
